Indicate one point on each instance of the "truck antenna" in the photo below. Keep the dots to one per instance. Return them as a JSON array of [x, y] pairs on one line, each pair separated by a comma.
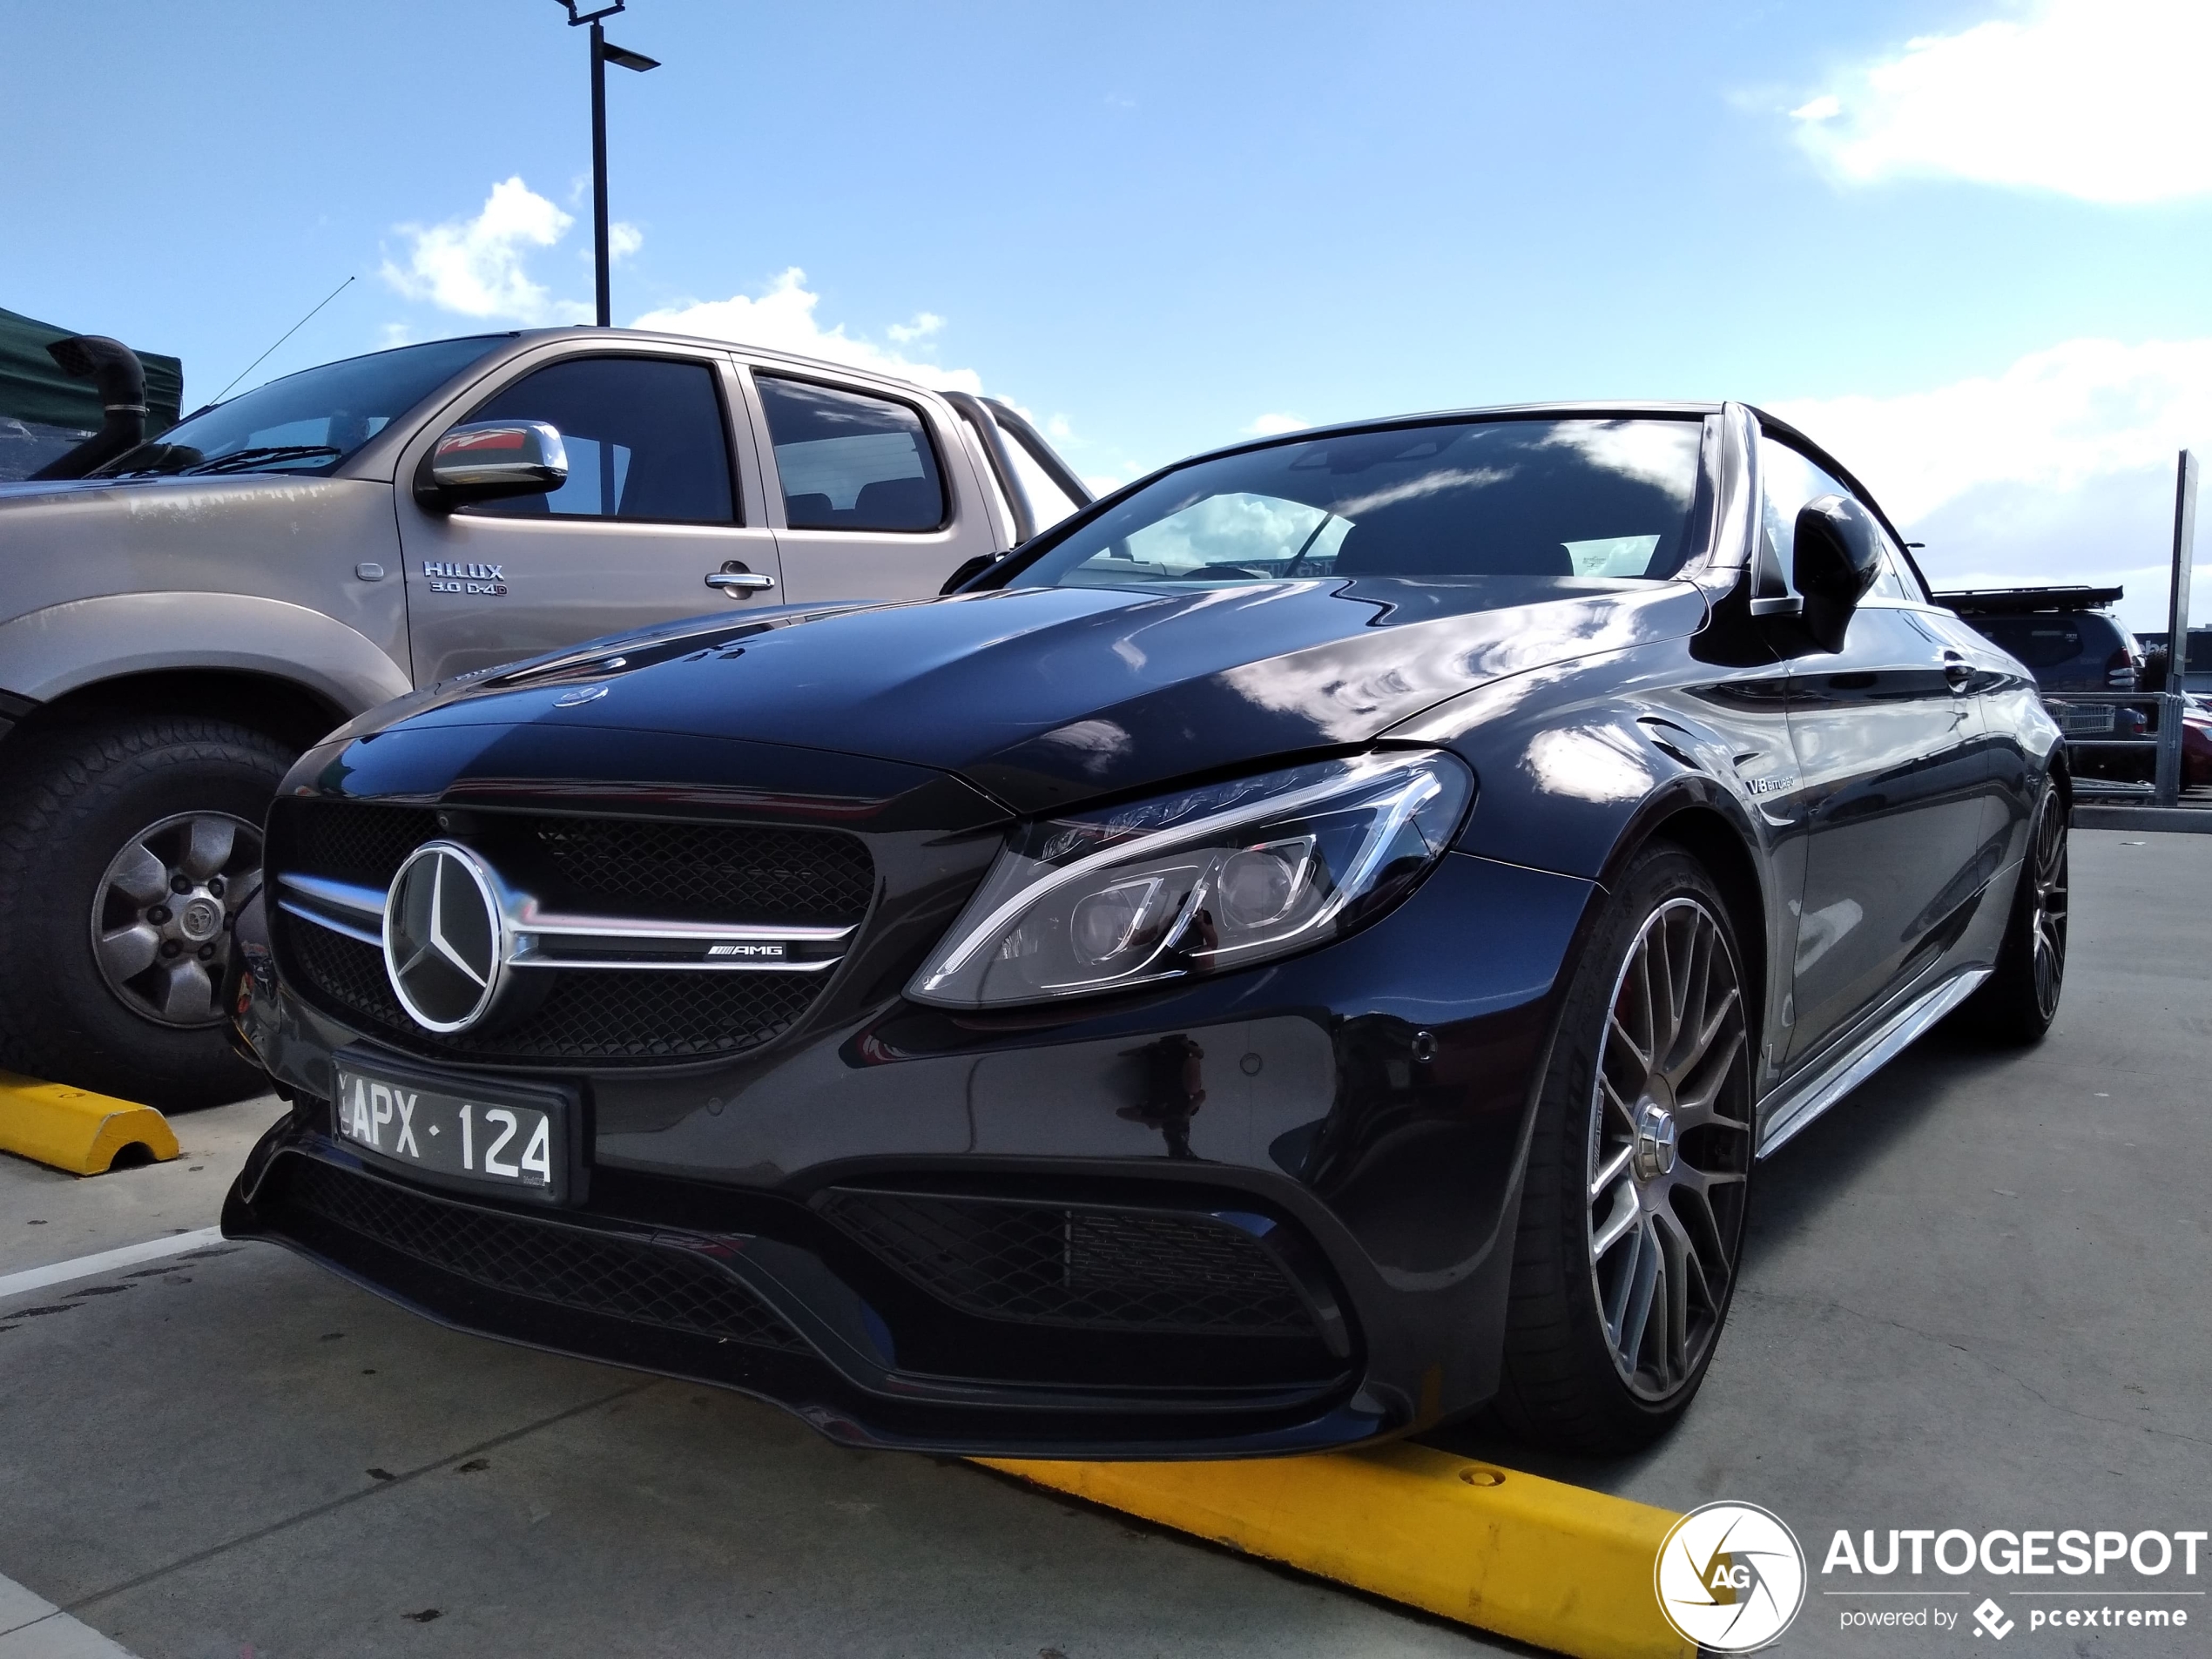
[[280, 339]]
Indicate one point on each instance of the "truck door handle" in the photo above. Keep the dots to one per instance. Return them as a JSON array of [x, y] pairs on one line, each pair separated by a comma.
[[735, 580], [1956, 669]]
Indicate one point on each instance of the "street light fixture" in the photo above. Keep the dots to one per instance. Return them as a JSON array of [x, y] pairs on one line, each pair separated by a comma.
[[602, 55]]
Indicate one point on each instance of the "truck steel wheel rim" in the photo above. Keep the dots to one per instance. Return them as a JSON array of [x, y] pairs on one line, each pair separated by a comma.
[[2047, 890], [1669, 1146], [161, 918]]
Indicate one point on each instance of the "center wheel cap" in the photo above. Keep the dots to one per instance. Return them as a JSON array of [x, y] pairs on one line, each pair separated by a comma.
[[1655, 1141]]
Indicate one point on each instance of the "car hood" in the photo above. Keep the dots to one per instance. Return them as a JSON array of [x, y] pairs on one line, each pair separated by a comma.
[[1042, 696]]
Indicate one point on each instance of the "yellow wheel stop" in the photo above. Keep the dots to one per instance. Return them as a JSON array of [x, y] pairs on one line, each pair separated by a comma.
[[74, 1129], [1546, 1563]]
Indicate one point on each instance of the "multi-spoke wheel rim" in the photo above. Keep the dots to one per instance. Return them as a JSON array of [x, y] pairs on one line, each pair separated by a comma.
[[1669, 1146], [161, 915], [2046, 890]]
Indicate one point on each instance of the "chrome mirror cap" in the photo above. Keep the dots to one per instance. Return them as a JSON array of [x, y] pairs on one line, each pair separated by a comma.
[[492, 460]]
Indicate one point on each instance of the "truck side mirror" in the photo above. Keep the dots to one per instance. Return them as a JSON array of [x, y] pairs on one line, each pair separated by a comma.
[[1838, 558], [490, 460]]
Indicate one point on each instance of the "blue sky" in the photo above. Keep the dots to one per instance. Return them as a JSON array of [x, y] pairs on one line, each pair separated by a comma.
[[1966, 245]]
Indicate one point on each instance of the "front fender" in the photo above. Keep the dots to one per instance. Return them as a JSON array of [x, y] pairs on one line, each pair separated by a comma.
[[1577, 766], [50, 653]]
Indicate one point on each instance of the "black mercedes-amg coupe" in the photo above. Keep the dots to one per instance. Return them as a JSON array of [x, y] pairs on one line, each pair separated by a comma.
[[1313, 944]]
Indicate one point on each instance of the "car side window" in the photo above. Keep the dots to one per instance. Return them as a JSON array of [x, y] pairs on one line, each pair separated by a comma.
[[848, 461], [1788, 480], [644, 436]]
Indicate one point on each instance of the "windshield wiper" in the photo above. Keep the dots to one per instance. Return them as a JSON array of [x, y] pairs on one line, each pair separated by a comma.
[[247, 460]]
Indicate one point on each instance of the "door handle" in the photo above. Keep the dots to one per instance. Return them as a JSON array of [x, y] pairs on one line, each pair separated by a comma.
[[1956, 670], [736, 580]]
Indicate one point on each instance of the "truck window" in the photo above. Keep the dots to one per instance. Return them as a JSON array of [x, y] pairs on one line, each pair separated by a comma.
[[644, 436], [849, 461]]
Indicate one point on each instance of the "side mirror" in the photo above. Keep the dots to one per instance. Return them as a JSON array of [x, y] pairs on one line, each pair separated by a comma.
[[490, 460], [1839, 557]]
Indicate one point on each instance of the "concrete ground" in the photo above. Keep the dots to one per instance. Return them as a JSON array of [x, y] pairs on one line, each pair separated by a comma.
[[1972, 1297]]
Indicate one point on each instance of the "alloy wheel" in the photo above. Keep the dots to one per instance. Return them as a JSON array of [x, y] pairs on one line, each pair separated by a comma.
[[2047, 893], [1669, 1148], [161, 916]]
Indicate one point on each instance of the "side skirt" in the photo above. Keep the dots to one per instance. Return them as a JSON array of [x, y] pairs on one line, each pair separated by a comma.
[[1803, 1098]]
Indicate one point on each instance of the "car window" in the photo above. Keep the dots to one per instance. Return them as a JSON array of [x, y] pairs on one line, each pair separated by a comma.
[[848, 461], [644, 437], [1789, 480], [2040, 642], [1609, 499]]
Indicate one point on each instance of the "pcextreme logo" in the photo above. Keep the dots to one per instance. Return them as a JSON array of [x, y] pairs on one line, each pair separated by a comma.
[[1730, 1577]]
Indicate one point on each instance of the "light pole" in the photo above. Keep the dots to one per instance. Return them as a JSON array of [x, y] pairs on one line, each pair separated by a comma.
[[602, 55]]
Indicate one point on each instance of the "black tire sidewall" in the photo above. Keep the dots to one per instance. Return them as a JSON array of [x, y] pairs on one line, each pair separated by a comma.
[[82, 793]]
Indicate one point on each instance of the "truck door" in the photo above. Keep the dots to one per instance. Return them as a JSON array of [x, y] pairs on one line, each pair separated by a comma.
[[876, 500], [663, 491]]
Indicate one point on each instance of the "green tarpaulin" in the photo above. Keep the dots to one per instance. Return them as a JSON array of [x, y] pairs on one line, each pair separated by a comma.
[[34, 390]]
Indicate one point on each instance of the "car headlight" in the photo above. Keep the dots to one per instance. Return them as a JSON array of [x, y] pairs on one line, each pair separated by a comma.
[[1198, 881]]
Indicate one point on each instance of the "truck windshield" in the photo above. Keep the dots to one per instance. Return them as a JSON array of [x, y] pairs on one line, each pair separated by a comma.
[[1588, 498], [306, 422]]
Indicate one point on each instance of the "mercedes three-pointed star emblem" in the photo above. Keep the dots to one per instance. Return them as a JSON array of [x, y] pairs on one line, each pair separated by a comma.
[[444, 948]]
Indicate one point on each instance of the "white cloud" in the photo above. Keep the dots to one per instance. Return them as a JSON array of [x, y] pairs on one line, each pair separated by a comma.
[[2099, 100], [623, 240], [2059, 469], [1269, 426], [925, 324], [475, 267], [783, 319]]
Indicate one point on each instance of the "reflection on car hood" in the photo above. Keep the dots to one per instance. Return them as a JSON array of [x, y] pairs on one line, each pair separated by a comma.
[[1045, 696]]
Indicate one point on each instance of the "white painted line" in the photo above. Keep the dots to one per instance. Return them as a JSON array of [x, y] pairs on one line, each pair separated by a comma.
[[37, 1279], [32, 1628]]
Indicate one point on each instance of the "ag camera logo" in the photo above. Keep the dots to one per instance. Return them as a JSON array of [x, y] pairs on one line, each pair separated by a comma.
[[1730, 1577]]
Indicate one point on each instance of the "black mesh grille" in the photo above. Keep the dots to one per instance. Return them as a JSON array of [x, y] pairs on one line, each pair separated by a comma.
[[630, 867], [570, 1266], [708, 873], [1077, 1265], [620, 866], [361, 844], [604, 1016]]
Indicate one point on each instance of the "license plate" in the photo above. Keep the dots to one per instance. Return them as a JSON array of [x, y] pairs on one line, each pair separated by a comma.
[[487, 1139], [2081, 720]]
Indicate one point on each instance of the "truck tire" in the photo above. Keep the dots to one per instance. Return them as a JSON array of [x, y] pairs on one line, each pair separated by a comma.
[[119, 840]]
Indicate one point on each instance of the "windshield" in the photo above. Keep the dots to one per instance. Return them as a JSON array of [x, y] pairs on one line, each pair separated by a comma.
[[1556, 498], [305, 422]]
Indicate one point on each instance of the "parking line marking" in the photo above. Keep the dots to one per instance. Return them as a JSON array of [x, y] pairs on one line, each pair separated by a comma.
[[37, 1279], [33, 1628]]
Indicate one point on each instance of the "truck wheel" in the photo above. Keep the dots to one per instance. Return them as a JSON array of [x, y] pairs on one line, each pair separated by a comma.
[[1632, 1214], [121, 846]]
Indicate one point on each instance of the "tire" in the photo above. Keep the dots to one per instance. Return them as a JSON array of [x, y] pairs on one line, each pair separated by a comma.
[[1618, 1298], [2017, 1001], [115, 811]]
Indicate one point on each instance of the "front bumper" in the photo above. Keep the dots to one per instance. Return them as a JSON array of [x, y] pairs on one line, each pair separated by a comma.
[[1265, 1214]]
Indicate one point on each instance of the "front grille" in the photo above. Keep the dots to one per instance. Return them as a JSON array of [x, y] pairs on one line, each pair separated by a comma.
[[570, 1266], [1150, 1270], [642, 869], [705, 873], [364, 845], [600, 1016]]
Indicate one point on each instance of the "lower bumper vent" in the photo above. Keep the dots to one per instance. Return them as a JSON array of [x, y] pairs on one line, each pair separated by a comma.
[[547, 1261], [1073, 1264]]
